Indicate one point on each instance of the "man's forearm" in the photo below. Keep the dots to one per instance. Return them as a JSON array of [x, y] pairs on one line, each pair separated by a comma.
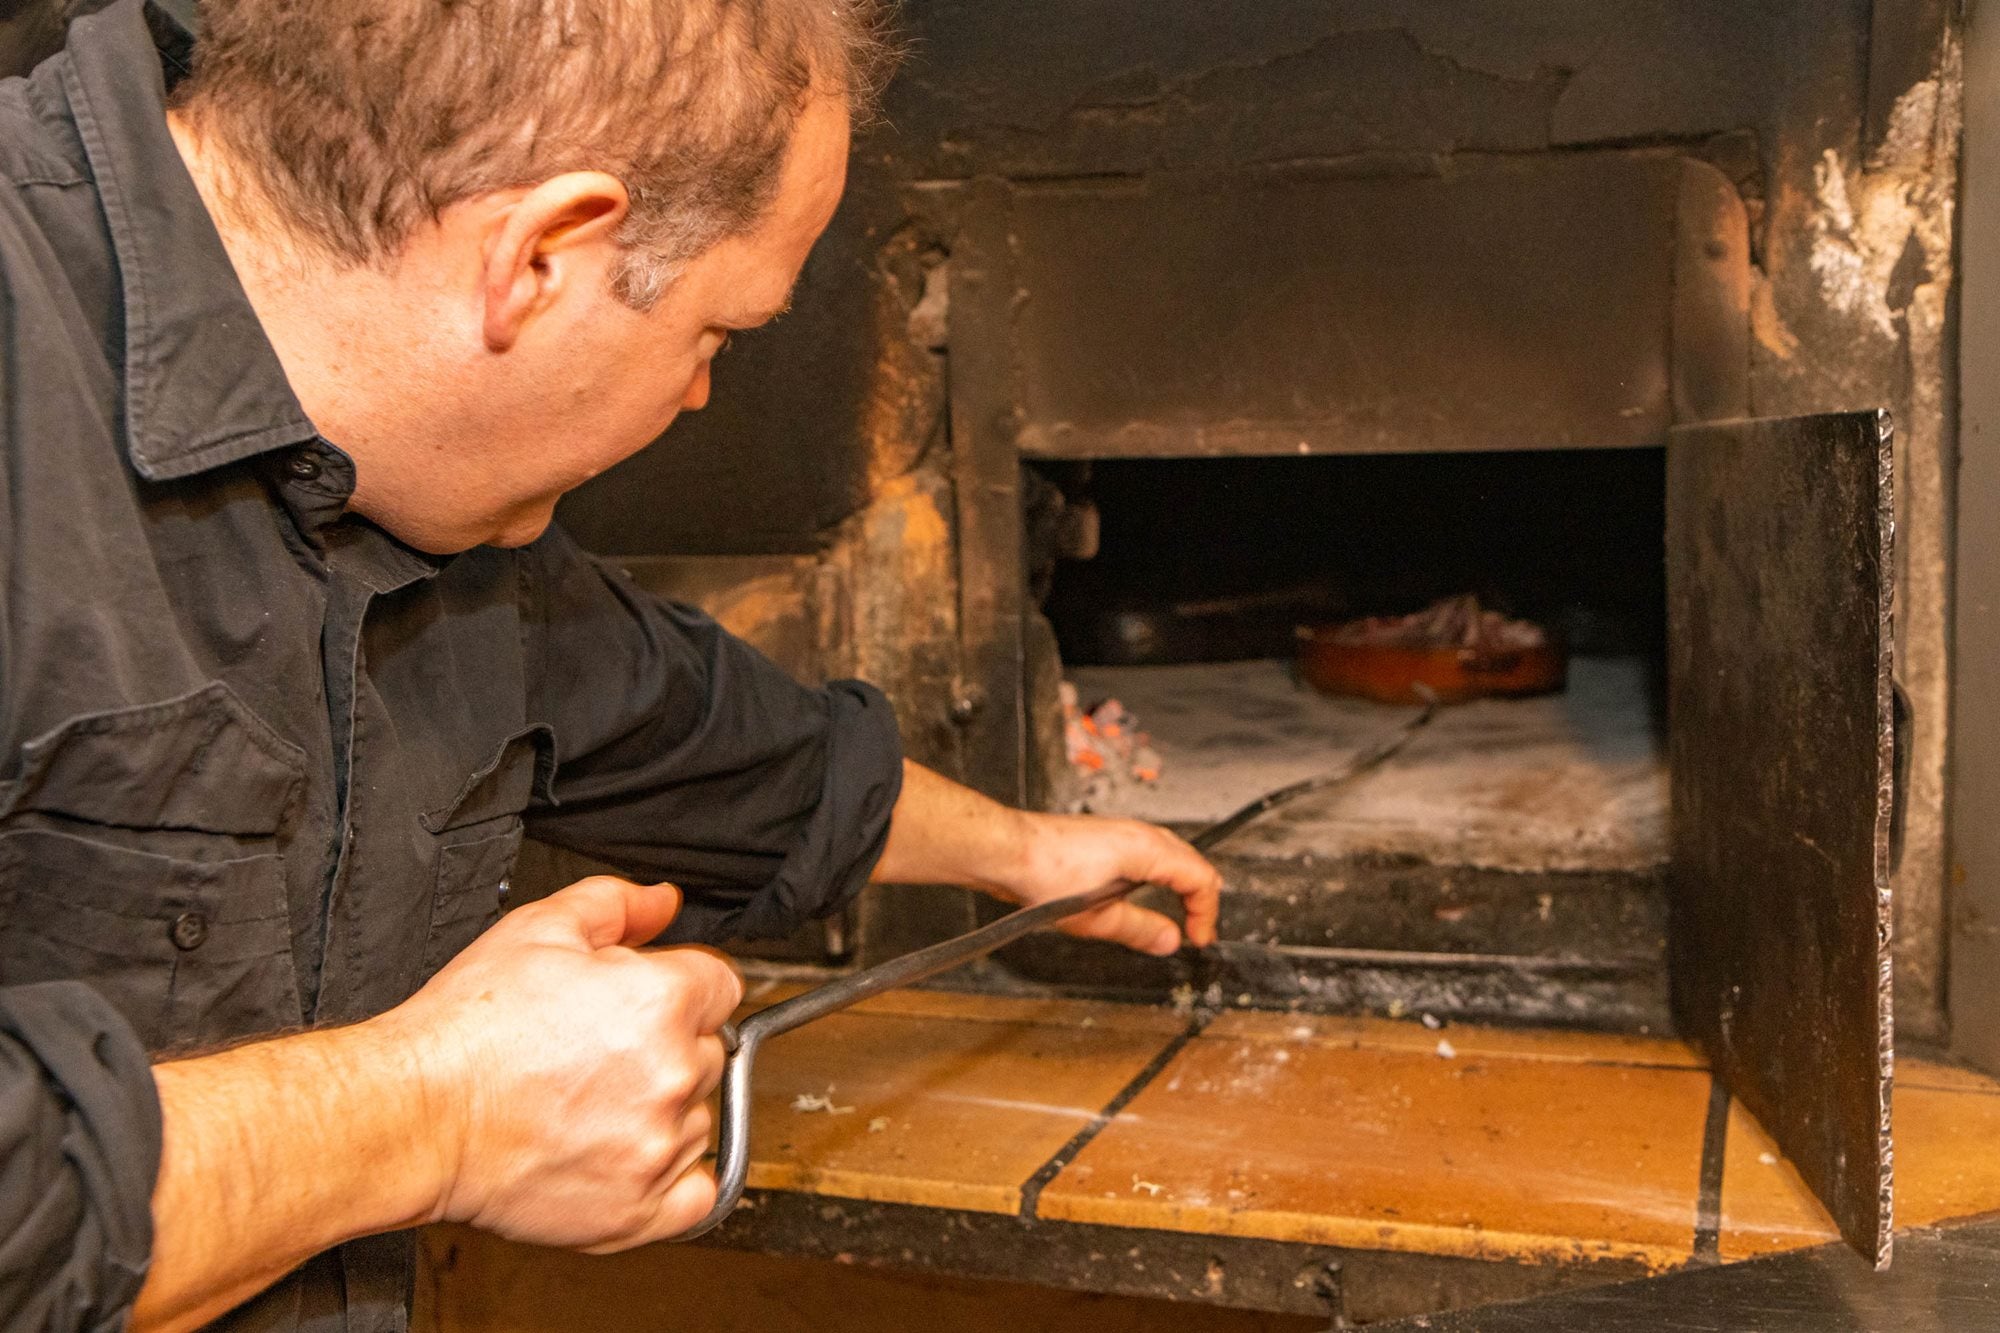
[[944, 833], [276, 1151]]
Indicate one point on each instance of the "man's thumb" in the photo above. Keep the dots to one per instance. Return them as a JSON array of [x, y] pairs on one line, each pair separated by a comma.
[[616, 911]]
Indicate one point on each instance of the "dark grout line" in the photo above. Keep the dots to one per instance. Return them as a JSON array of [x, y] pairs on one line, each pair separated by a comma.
[[1708, 1202], [1915, 1083], [1031, 1193]]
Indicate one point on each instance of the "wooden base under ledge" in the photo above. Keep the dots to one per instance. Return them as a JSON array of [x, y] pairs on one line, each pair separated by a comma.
[[1309, 1165]]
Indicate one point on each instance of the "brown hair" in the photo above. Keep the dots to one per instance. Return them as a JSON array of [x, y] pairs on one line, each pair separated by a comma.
[[358, 119]]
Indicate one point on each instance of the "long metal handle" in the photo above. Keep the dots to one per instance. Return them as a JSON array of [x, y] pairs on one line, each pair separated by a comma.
[[732, 1156], [740, 1040]]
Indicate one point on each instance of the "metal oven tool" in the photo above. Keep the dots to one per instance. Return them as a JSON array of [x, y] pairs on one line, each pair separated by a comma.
[[741, 1040]]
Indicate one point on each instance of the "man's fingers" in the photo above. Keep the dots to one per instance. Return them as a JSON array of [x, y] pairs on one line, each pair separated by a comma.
[[606, 911], [1188, 873], [686, 1202], [1132, 926], [699, 1126], [711, 984], [1202, 904], [679, 1206], [710, 1059]]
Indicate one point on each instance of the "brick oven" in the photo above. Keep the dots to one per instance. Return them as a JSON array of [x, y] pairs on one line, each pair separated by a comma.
[[1149, 336]]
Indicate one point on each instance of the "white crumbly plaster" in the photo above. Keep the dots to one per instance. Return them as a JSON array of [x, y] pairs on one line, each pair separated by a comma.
[[1847, 278], [1864, 220]]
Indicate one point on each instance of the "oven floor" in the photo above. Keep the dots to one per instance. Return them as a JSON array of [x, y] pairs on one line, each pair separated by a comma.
[[1569, 782], [920, 1129], [1482, 1142]]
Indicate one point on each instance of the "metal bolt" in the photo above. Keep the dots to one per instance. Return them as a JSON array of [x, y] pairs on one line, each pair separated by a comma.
[[967, 707]]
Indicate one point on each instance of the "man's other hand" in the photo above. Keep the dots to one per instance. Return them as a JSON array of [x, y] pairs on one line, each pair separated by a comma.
[[1068, 854], [569, 1069], [945, 833]]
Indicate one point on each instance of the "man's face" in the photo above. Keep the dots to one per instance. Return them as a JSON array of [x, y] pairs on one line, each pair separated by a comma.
[[592, 381]]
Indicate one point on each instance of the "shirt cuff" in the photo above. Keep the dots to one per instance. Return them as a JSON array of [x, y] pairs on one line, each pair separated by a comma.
[[842, 839], [79, 1155]]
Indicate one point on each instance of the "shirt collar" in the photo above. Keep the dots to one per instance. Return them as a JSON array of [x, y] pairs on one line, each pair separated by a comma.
[[203, 386]]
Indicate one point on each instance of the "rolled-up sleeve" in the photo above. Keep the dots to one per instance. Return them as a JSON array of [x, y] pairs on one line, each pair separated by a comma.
[[79, 1154], [685, 754]]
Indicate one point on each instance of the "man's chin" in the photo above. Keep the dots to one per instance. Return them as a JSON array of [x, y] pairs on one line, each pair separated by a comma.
[[522, 528], [447, 533]]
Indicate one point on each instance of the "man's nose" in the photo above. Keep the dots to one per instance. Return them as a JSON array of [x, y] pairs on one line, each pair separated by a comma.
[[696, 397]]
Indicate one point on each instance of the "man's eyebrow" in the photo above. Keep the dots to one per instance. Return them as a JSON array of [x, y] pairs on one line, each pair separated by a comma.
[[755, 318]]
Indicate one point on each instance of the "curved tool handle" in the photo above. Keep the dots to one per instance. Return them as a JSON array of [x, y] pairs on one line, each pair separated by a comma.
[[732, 1154]]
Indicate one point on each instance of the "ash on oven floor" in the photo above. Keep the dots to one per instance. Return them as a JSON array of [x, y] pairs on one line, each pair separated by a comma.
[[1575, 781]]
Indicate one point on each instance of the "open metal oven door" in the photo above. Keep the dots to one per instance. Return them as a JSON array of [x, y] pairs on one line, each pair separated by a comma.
[[1779, 587]]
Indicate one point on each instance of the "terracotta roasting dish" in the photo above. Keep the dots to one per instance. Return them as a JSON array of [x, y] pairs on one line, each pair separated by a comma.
[[1450, 652]]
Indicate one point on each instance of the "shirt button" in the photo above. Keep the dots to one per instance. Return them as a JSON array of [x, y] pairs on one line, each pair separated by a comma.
[[303, 466], [189, 931]]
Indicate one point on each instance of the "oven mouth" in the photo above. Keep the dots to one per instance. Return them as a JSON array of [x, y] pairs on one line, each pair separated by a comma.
[[1507, 864]]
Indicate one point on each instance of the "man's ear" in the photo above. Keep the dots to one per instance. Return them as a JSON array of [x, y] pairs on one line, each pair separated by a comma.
[[554, 237]]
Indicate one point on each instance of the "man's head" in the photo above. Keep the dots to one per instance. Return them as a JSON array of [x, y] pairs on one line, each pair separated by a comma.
[[498, 242]]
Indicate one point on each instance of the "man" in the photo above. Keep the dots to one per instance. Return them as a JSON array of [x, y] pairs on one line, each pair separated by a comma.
[[291, 378]]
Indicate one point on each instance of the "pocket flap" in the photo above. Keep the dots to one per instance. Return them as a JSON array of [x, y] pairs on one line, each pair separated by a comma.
[[202, 762], [522, 769]]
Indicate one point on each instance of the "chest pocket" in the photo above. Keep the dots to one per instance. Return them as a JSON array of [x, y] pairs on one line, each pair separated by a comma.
[[139, 854], [479, 836]]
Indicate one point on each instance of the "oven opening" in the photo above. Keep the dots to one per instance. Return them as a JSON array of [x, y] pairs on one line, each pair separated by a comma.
[[1507, 860]]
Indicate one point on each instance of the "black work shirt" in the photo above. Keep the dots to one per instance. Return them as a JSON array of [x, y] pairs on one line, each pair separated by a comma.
[[264, 766]]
